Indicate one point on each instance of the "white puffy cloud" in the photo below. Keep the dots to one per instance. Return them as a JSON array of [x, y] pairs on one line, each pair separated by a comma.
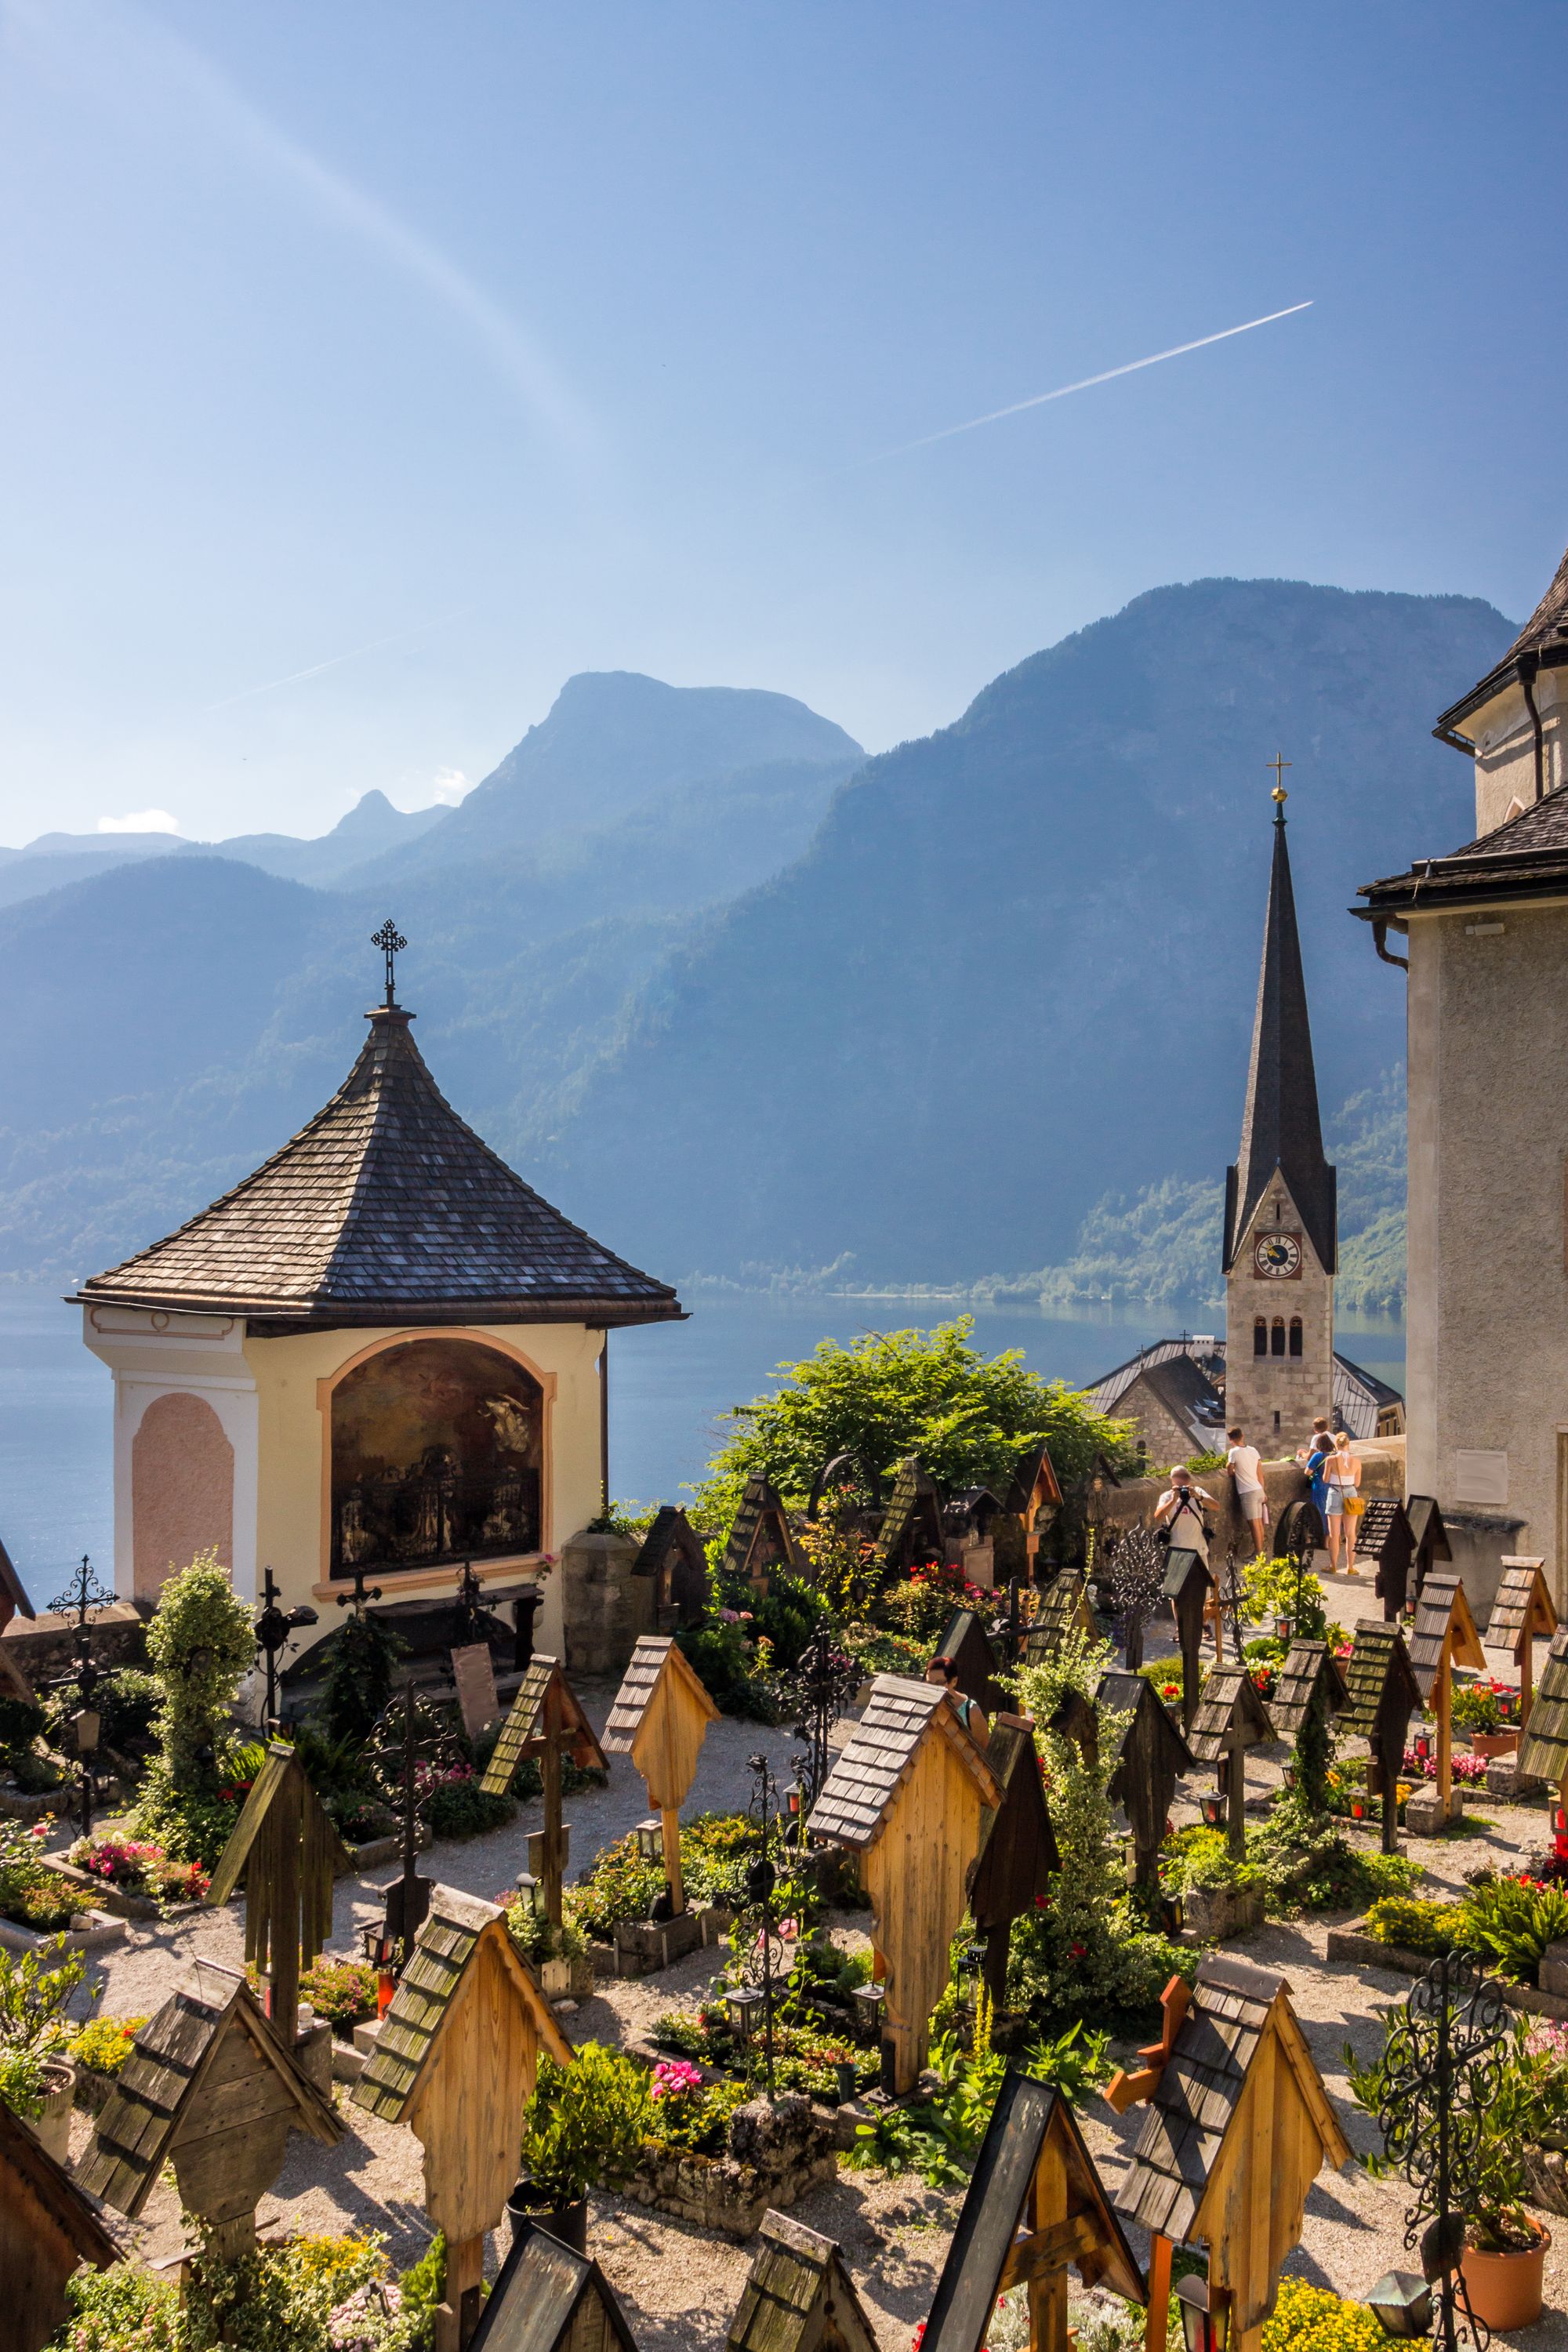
[[140, 821]]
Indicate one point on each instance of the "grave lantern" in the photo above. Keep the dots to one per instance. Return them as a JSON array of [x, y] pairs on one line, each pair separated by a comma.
[[1402, 2301], [744, 2008], [1206, 2314]]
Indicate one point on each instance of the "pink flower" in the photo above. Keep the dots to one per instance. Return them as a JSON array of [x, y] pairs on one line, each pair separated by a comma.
[[729, 1616], [789, 1929], [675, 2078]]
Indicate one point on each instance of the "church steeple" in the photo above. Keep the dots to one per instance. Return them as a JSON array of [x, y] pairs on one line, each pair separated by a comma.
[[1281, 1128]]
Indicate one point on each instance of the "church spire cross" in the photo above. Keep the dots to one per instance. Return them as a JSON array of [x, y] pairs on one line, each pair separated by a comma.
[[1279, 795], [391, 943]]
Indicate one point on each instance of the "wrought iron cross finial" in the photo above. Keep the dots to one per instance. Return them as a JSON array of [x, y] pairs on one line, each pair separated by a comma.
[[391, 943], [83, 1596], [1279, 795]]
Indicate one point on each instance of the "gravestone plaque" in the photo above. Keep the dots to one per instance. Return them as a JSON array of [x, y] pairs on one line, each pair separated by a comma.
[[476, 1679]]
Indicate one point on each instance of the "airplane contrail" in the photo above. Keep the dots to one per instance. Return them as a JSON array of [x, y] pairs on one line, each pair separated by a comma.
[[399, 637], [1085, 384]]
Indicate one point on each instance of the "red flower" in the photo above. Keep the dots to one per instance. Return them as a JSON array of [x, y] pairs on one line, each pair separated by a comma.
[[1076, 1951]]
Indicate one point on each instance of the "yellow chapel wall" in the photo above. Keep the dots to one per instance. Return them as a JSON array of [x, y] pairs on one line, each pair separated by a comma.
[[294, 1378]]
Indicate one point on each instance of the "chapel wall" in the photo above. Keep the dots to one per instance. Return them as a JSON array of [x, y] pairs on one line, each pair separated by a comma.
[[1488, 1326]]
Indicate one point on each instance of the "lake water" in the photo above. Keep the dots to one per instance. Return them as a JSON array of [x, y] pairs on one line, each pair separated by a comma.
[[669, 1383]]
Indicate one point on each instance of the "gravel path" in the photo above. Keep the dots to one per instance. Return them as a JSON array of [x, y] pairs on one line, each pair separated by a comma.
[[679, 2288]]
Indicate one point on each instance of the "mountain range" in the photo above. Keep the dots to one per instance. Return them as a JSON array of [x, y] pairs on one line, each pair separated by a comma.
[[757, 1009]]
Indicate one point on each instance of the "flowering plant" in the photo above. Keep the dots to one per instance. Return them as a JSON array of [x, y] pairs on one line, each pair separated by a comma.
[[124, 1861], [676, 2078]]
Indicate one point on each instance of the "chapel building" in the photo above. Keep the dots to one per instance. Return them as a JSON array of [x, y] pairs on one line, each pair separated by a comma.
[[383, 1352], [1486, 930]]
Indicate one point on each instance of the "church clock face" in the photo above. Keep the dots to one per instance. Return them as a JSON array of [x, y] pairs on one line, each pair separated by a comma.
[[1277, 1255]]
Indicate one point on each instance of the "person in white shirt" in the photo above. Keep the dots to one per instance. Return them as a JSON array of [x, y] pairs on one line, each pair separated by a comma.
[[1342, 1476], [1180, 1508], [1242, 1462]]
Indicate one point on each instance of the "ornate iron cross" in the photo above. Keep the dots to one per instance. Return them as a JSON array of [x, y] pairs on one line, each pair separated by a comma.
[[82, 1597], [391, 943]]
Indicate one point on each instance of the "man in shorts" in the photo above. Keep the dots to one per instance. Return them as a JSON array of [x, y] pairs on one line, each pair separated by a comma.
[[1242, 1461]]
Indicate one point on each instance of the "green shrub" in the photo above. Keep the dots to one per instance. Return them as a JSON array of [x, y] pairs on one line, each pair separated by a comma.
[[1510, 1921], [20, 1724], [1314, 2319], [727, 1663], [1475, 1708], [358, 1676], [340, 1989], [461, 1809], [22, 2080], [621, 1886], [33, 1998], [423, 2286], [584, 2124], [1201, 1858], [200, 1646], [1309, 1864], [115, 2308]]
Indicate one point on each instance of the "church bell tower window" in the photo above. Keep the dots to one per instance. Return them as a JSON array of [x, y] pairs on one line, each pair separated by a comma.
[[1276, 1337], [1261, 1337], [1295, 1335]]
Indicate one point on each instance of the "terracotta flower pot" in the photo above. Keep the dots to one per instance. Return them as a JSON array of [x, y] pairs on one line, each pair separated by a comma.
[[1493, 1743], [1505, 2290]]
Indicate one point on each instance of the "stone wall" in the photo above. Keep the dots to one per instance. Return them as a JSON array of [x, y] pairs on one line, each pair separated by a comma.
[[776, 2155], [605, 1608], [46, 1644], [1284, 1483]]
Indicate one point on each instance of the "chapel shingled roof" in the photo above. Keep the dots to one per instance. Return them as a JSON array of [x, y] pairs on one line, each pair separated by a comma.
[[1542, 642], [1527, 858], [386, 1207]]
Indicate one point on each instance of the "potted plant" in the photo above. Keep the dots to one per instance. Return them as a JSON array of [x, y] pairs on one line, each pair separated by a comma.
[[584, 2124], [1505, 2246]]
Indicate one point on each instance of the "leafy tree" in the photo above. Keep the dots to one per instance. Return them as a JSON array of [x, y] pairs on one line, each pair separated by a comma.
[[886, 1394]]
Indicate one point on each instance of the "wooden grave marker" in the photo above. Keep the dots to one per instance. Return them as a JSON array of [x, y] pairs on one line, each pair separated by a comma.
[[1310, 1684], [1381, 1694], [966, 1641], [1443, 1636], [1187, 1587], [1430, 1535], [1239, 2125], [671, 1569], [1151, 1756], [1034, 2206], [906, 1793], [550, 2298], [291, 1852], [1065, 1608], [545, 1720], [1017, 1847], [799, 2295], [1544, 1743], [1033, 1498], [1383, 1537], [912, 1527], [211, 2088], [761, 1538], [47, 2230], [1231, 1717], [1523, 1613], [660, 1719], [456, 2059]]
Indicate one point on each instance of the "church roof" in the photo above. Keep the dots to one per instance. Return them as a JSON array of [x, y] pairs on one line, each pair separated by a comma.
[[385, 1208], [1208, 1355], [1541, 644], [1281, 1128], [1525, 858]]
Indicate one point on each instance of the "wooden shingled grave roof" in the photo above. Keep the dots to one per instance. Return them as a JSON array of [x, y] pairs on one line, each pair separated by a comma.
[[1308, 1666], [1427, 1526], [656, 1655], [914, 1492], [525, 1723], [1523, 1601], [1543, 1742], [410, 2037], [165, 2080], [986, 2254], [1228, 1707], [1211, 2040], [1018, 1847], [1034, 1474], [1063, 1605], [799, 2295], [322, 1855], [880, 1755], [13, 1601], [1443, 1609], [671, 1532], [549, 2298], [1378, 1661], [1149, 1719], [761, 1509], [1382, 1524]]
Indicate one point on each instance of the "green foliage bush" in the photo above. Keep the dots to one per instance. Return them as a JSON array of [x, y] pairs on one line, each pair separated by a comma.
[[358, 1676], [22, 2084], [1201, 1859], [340, 1989], [34, 1988], [461, 1809], [20, 1724], [886, 1394], [1413, 1925], [126, 2306], [725, 1660], [1510, 1921], [200, 1647], [279, 2299], [1309, 1864], [584, 2124]]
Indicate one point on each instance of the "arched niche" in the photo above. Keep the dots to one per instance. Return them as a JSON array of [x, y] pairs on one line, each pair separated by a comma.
[[182, 1490], [438, 1451]]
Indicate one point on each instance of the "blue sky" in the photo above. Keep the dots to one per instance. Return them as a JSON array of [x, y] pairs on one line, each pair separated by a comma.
[[487, 342]]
